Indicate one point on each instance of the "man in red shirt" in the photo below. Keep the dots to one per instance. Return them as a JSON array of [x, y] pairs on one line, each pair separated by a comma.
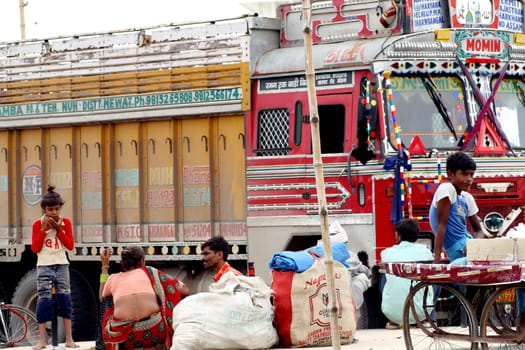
[[214, 255]]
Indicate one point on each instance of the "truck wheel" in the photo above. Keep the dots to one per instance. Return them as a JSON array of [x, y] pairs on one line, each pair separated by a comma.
[[84, 317], [85, 306]]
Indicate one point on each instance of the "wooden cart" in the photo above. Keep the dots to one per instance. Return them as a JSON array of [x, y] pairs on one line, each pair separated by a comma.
[[487, 319]]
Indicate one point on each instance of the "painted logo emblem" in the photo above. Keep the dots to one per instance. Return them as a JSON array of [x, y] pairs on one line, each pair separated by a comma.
[[32, 184]]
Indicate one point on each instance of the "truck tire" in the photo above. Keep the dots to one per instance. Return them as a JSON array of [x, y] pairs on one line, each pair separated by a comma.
[[84, 317], [85, 306]]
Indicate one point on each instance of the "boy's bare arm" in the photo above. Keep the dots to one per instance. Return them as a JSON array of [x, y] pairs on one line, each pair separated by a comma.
[[443, 210], [475, 223]]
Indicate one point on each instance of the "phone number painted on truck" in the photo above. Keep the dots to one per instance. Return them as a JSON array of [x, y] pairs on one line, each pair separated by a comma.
[[122, 102]]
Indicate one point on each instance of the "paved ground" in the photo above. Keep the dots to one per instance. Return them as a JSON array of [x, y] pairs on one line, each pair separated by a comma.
[[367, 339]]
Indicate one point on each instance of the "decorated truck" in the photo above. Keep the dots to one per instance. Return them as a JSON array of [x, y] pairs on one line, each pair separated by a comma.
[[167, 136]]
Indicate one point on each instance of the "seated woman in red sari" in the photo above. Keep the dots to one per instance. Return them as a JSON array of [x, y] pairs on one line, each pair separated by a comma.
[[143, 301]]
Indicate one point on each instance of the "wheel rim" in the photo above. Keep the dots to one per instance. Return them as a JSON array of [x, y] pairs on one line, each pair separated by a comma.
[[32, 334], [500, 318], [13, 326], [441, 329]]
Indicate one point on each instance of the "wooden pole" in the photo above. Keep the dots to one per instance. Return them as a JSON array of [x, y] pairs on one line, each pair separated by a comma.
[[22, 19], [318, 167]]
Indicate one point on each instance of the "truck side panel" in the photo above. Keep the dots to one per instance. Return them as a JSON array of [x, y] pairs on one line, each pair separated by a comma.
[[90, 207], [32, 177], [159, 180], [196, 180], [229, 164], [127, 180], [4, 187]]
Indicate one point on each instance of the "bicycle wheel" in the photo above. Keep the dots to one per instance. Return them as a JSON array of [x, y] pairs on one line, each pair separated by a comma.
[[32, 334], [499, 319], [13, 326], [450, 323]]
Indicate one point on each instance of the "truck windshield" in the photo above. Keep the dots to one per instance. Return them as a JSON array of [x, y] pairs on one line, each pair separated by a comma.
[[431, 107], [510, 110]]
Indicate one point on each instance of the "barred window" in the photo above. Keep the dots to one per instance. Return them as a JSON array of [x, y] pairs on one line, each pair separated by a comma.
[[273, 132]]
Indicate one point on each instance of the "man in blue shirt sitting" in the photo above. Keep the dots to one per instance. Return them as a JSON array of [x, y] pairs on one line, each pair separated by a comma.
[[396, 288]]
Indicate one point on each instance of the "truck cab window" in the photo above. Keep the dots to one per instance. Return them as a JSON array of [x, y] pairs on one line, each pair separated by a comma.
[[510, 105], [332, 128], [433, 108], [273, 132]]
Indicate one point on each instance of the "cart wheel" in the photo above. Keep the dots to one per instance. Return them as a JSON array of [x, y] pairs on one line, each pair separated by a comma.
[[499, 319], [446, 324]]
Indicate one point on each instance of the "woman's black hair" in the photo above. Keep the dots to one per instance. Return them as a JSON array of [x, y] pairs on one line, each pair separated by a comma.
[[51, 198], [131, 258]]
